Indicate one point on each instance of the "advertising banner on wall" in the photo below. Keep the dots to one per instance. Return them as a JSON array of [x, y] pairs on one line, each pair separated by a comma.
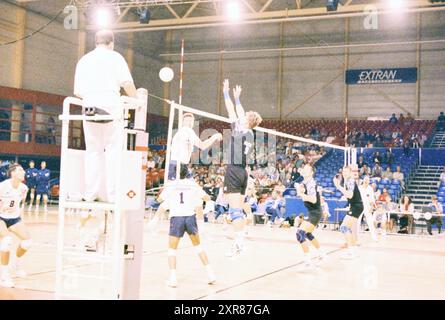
[[381, 76]]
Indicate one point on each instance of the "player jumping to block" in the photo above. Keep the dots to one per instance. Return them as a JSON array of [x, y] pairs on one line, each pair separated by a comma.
[[12, 193], [241, 148], [184, 198], [309, 193]]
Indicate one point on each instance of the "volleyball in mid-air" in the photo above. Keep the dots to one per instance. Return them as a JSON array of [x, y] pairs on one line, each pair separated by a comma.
[[166, 74]]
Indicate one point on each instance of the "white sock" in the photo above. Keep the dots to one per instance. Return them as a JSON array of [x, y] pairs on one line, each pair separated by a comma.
[[173, 274], [351, 249], [307, 258]]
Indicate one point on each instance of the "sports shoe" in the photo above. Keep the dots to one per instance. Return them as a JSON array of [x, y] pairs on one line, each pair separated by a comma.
[[234, 250], [307, 266], [211, 278]]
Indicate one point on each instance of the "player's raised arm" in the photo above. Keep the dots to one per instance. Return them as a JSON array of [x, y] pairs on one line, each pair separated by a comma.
[[209, 142], [238, 107], [229, 104]]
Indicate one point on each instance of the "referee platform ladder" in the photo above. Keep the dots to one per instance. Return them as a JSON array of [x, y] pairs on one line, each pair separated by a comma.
[[113, 270]]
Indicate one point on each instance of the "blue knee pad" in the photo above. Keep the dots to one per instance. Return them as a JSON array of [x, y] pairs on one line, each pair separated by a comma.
[[301, 235], [345, 229], [310, 236], [236, 213]]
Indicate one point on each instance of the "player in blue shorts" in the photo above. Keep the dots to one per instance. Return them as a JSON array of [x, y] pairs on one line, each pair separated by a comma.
[[43, 178], [183, 198], [31, 182], [12, 194]]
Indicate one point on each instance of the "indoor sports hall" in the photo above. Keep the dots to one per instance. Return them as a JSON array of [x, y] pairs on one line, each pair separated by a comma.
[[222, 149]]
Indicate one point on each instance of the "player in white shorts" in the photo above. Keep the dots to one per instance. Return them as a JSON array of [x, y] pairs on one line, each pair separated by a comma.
[[368, 198], [184, 198], [183, 142], [12, 194]]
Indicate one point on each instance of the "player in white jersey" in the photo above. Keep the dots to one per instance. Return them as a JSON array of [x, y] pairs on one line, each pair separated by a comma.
[[184, 198], [368, 198], [183, 142], [12, 194]]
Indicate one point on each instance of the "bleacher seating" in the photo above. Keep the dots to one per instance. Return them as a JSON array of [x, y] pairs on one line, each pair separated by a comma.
[[334, 128]]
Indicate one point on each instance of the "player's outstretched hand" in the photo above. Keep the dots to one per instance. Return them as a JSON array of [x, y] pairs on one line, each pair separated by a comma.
[[226, 86], [237, 91]]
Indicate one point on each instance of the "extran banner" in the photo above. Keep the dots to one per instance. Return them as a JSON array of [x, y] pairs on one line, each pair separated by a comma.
[[381, 76]]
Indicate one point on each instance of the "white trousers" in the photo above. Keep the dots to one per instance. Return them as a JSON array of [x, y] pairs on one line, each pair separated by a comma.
[[367, 212], [103, 142]]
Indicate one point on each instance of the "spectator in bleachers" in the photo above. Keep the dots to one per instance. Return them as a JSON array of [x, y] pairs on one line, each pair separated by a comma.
[[389, 157], [295, 175], [442, 177], [280, 188], [273, 208], [441, 122], [361, 162], [415, 144], [387, 174], [437, 209], [393, 119], [398, 175], [385, 200], [387, 137], [150, 163], [401, 119], [377, 171], [406, 219], [378, 141], [406, 148], [282, 173], [423, 138], [376, 157], [365, 171], [409, 120], [398, 143], [395, 135]]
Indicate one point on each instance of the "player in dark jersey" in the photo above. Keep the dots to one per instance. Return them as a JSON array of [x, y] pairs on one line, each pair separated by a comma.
[[241, 150], [352, 192], [310, 194], [31, 182]]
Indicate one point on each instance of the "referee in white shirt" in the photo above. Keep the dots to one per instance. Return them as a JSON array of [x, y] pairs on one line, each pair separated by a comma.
[[100, 74]]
